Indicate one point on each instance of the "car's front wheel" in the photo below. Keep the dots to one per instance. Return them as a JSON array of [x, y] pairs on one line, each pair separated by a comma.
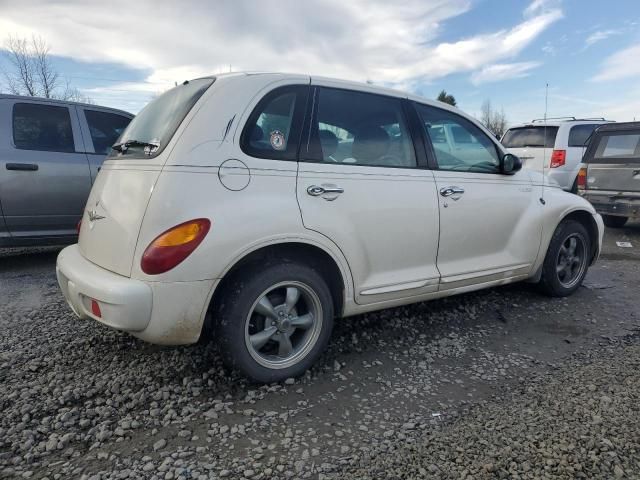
[[274, 320], [567, 259], [613, 221]]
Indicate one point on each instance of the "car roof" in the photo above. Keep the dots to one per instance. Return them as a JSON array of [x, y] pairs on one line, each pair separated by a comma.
[[61, 102], [623, 126], [551, 122]]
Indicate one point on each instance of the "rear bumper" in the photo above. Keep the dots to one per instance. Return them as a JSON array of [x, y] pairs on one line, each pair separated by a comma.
[[617, 206], [169, 313]]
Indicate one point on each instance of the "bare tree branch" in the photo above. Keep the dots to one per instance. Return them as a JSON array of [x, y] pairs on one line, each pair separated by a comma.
[[32, 72], [496, 122], [22, 81], [47, 76]]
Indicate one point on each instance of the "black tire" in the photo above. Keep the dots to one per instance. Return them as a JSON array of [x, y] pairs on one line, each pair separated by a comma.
[[613, 221], [551, 282], [234, 322]]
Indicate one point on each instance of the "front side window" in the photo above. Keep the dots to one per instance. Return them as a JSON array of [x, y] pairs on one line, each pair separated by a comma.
[[42, 127], [458, 144], [536, 137], [579, 134], [105, 128], [619, 145], [360, 129], [152, 129]]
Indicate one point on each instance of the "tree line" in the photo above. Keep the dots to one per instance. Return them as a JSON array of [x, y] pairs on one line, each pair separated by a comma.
[[493, 119], [30, 71]]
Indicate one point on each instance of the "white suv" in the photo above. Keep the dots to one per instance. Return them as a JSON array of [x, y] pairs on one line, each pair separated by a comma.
[[264, 205], [556, 146]]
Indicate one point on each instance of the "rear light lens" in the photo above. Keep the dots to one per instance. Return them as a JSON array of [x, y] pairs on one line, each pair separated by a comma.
[[173, 246], [78, 226], [558, 158], [582, 178], [95, 308]]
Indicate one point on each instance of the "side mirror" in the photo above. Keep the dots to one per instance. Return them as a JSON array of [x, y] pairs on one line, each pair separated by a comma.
[[510, 164]]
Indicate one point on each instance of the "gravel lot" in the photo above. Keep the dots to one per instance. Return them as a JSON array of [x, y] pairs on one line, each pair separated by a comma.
[[503, 383]]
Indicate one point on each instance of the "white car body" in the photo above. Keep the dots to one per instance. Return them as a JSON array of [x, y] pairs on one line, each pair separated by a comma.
[[539, 157], [390, 238]]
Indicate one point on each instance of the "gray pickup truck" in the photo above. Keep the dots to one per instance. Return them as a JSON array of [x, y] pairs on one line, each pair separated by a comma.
[[50, 153], [610, 175]]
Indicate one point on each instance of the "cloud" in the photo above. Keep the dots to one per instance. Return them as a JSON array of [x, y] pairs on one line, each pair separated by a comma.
[[503, 71], [388, 43], [600, 35], [622, 64]]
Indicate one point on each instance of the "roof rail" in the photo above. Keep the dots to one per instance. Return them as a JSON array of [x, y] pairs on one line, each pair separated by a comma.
[[551, 118], [536, 120]]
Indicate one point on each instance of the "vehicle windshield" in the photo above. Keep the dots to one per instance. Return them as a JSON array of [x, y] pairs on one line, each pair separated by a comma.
[[530, 137], [151, 130]]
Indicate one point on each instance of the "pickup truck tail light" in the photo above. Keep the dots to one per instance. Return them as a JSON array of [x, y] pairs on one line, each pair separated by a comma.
[[582, 178], [558, 157], [174, 245]]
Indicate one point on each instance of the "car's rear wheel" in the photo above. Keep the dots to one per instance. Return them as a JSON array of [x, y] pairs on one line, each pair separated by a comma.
[[274, 321], [613, 221], [567, 259]]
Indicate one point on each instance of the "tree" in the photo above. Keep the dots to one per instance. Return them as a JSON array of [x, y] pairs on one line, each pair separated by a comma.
[[32, 73], [494, 120], [444, 97]]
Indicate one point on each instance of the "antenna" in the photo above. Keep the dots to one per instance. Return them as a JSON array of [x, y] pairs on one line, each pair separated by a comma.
[[544, 140]]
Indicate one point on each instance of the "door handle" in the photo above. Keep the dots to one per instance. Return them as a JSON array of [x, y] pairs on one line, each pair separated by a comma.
[[29, 167], [316, 190], [452, 192]]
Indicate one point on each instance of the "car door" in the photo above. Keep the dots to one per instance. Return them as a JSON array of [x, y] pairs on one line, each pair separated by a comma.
[[360, 184], [100, 130], [45, 177], [490, 228]]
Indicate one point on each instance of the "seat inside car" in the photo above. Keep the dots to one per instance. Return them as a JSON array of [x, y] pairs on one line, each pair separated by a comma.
[[370, 144]]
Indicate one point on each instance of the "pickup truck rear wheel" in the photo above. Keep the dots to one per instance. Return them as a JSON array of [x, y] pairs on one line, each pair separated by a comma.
[[567, 259], [274, 320], [613, 221]]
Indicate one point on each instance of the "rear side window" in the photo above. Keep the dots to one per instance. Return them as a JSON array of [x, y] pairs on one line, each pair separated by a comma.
[[579, 134], [619, 145], [105, 129], [42, 127], [359, 128], [274, 127], [530, 137]]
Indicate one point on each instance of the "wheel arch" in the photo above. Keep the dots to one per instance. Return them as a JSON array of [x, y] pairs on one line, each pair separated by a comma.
[[298, 250], [585, 218]]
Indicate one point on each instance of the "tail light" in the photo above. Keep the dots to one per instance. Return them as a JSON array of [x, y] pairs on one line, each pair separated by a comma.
[[78, 226], [582, 178], [558, 158], [173, 246]]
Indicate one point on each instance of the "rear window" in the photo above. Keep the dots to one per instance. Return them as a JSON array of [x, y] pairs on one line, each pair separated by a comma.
[[42, 127], [579, 134], [619, 145], [158, 121], [530, 137]]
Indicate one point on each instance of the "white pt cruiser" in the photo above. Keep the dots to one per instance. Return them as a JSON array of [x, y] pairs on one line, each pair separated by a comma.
[[258, 207]]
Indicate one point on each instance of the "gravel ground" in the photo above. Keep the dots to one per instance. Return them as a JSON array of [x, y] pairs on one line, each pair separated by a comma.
[[502, 383]]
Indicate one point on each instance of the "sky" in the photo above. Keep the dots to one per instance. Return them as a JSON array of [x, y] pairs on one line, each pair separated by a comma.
[[122, 53]]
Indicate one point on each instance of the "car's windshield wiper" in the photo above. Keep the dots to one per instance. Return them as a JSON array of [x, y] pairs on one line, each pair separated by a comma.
[[124, 146]]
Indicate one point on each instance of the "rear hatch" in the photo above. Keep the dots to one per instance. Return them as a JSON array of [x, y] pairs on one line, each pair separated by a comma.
[[613, 161], [112, 218], [123, 188], [533, 144]]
